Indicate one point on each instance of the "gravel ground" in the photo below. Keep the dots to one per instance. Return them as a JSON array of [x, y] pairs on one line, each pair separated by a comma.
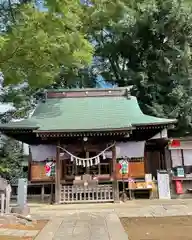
[[158, 228]]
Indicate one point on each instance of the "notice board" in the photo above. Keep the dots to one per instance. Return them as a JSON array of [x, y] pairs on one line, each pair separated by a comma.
[[163, 185]]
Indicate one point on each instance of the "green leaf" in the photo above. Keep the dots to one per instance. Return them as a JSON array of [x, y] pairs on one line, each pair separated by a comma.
[[40, 42]]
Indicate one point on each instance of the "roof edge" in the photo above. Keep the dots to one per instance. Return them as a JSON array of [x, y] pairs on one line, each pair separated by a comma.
[[85, 130], [89, 89], [89, 92], [17, 128], [169, 121]]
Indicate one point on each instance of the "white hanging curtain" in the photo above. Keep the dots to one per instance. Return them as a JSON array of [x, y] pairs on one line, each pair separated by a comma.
[[176, 157], [128, 149], [42, 152], [162, 134]]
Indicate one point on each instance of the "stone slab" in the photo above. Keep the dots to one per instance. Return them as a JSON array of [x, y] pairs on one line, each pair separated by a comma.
[[90, 226], [50, 229], [19, 233], [21, 210], [31, 233], [115, 228]]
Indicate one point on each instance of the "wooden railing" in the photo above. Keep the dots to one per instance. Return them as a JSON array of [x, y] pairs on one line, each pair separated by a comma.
[[98, 193]]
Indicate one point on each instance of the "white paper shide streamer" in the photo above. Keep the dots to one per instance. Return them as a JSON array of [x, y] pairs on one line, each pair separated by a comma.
[[87, 162]]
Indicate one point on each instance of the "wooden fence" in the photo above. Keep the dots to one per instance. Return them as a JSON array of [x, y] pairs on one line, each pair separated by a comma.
[[98, 193]]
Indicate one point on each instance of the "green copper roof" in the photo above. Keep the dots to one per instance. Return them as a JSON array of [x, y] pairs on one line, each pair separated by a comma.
[[87, 114]]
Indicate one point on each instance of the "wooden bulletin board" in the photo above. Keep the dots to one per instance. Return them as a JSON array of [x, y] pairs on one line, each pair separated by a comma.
[[135, 170], [38, 172]]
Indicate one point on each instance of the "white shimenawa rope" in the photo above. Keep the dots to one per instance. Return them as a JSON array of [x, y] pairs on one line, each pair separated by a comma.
[[87, 161]]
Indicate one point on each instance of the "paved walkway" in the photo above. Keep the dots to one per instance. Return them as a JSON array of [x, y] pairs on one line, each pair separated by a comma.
[[17, 233], [84, 226], [101, 221], [137, 208], [97, 221]]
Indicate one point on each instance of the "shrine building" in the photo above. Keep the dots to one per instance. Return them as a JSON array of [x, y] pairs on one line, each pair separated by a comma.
[[88, 142]]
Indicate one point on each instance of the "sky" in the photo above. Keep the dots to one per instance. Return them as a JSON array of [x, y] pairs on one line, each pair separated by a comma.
[[5, 107]]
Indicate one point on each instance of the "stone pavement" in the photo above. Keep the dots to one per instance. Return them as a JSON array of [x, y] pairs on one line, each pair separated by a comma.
[[101, 221], [17, 233], [137, 208], [84, 226], [96, 221]]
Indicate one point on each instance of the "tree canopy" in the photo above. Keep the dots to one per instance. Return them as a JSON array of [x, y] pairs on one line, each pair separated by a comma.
[[11, 158], [37, 44], [146, 44]]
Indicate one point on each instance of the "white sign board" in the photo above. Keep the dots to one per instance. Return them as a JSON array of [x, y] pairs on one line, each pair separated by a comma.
[[163, 185], [148, 177]]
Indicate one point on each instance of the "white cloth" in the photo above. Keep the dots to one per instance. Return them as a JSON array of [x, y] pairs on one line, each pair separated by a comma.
[[187, 155], [42, 152], [128, 149], [176, 157], [123, 149], [162, 134]]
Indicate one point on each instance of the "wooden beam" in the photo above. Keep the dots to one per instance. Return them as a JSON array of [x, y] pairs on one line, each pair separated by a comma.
[[115, 182], [58, 175]]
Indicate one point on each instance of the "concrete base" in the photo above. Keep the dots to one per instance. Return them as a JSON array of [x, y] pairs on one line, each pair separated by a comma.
[[25, 211]]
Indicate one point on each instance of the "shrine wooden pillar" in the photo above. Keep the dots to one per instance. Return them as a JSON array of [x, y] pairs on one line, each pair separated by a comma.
[[29, 164], [58, 175], [115, 182]]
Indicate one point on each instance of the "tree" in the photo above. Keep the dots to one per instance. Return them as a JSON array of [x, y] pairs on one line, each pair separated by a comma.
[[146, 44], [11, 156], [24, 96], [39, 43], [7, 12]]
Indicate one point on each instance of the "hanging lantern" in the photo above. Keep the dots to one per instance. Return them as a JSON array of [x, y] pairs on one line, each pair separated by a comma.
[[47, 170], [119, 166]]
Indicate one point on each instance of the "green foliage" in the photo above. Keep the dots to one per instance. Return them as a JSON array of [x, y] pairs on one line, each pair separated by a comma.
[[144, 43], [39, 43], [11, 156], [11, 151], [35, 47], [147, 44], [83, 78]]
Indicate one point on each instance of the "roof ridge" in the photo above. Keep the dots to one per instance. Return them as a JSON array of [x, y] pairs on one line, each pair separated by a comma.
[[89, 89], [89, 92]]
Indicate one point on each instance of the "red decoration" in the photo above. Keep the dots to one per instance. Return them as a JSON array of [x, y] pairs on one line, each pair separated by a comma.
[[119, 166], [179, 187], [175, 143], [47, 168]]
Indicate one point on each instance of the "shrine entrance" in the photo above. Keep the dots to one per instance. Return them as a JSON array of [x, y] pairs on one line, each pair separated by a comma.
[[87, 177]]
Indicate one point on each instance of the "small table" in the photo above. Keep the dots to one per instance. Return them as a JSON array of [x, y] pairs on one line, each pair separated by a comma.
[[133, 190]]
